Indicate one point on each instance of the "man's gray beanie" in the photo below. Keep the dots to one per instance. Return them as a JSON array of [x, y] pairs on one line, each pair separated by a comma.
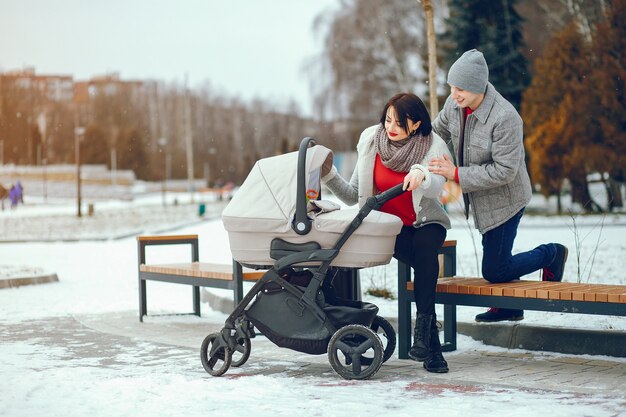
[[470, 72]]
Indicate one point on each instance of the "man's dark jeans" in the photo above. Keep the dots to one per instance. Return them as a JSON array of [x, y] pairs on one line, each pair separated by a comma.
[[500, 265]]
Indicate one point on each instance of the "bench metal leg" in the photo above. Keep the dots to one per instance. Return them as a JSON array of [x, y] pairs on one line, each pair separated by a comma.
[[237, 282], [196, 300], [143, 308], [449, 328], [142, 243], [404, 311]]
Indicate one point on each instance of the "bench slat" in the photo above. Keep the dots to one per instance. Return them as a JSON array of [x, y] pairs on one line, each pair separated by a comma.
[[176, 237], [518, 288], [613, 296], [448, 284], [565, 292], [532, 289], [599, 293], [202, 270], [544, 291]]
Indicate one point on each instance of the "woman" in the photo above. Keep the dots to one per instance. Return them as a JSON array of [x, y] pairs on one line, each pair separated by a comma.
[[398, 150]]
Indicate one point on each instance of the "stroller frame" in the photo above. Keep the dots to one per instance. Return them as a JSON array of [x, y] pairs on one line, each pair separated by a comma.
[[351, 340]]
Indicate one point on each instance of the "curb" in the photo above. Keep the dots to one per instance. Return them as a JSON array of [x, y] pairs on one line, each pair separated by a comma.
[[552, 339], [218, 303], [517, 336], [19, 282]]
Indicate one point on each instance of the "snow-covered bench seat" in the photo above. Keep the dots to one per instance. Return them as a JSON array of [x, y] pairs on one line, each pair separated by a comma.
[[194, 273], [563, 297]]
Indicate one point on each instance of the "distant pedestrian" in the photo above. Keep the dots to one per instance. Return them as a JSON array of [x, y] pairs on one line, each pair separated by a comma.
[[487, 132], [20, 189], [4, 194], [14, 196]]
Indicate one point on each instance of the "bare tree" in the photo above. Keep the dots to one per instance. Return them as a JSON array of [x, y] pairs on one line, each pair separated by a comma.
[[372, 50], [432, 56], [586, 14]]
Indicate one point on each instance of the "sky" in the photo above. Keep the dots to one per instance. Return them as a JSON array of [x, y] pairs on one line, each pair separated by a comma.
[[245, 48]]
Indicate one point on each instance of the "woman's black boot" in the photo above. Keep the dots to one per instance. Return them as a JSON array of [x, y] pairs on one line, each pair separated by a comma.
[[421, 349], [435, 362]]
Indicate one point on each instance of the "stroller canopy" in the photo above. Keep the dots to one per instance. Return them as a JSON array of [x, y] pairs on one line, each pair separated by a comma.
[[264, 208], [269, 192]]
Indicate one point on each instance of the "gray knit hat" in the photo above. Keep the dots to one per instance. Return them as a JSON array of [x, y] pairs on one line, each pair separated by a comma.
[[470, 72]]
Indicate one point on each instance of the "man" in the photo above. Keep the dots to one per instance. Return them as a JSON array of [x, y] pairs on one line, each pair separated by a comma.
[[487, 135]]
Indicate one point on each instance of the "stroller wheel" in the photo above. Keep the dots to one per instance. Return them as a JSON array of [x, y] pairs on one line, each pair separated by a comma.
[[242, 352], [387, 335], [215, 355], [355, 341]]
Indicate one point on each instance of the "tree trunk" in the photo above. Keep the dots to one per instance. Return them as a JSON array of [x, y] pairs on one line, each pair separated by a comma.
[[613, 194], [581, 195], [432, 57]]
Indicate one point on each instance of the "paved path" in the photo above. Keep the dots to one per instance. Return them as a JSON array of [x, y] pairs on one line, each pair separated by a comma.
[[119, 345], [519, 369]]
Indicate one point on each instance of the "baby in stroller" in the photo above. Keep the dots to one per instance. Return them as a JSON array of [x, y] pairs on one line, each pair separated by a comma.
[[277, 222]]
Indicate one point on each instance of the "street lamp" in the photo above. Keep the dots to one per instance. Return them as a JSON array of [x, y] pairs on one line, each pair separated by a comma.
[[41, 121], [162, 143], [78, 132]]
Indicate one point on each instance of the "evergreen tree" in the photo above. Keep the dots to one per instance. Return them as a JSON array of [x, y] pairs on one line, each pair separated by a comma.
[[494, 28]]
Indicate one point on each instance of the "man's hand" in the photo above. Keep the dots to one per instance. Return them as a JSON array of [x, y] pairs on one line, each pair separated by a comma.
[[442, 166]]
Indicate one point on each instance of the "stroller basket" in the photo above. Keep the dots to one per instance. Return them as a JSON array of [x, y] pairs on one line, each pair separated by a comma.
[[281, 317]]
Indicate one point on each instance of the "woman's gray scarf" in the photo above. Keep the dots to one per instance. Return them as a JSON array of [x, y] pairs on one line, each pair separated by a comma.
[[401, 155]]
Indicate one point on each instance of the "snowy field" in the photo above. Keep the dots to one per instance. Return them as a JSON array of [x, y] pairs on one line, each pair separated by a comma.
[[48, 238], [96, 263]]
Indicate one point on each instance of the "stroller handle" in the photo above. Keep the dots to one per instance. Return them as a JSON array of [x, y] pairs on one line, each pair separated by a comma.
[[301, 223], [387, 195], [372, 203]]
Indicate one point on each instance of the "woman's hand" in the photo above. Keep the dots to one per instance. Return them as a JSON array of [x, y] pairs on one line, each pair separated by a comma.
[[413, 179], [442, 166]]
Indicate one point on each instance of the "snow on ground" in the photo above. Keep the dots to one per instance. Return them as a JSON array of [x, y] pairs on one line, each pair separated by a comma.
[[98, 276]]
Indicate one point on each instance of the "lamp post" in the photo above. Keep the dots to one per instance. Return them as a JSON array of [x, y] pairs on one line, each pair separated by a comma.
[[162, 143], [210, 180], [78, 132], [41, 121]]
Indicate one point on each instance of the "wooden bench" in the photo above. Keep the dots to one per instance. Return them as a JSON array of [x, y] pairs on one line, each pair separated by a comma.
[[194, 273], [564, 297]]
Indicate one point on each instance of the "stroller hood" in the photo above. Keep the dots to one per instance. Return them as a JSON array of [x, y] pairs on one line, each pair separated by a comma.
[[264, 208], [269, 191]]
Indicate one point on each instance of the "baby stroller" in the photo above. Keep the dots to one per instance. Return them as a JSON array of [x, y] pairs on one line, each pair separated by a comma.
[[277, 222]]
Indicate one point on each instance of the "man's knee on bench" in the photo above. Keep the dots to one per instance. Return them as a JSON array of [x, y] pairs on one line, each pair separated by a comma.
[[496, 274]]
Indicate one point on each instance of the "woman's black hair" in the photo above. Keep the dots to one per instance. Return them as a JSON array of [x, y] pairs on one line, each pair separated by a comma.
[[409, 106]]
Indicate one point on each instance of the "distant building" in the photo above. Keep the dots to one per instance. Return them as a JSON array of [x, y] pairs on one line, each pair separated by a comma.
[[109, 84], [59, 88]]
